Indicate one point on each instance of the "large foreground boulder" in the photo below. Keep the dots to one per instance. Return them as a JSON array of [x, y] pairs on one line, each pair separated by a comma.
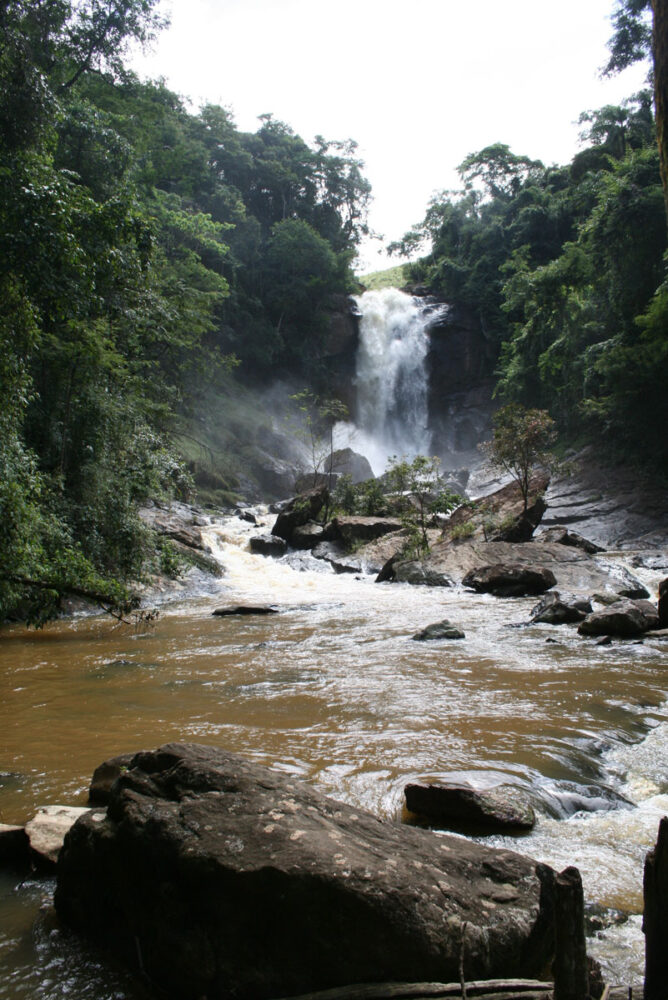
[[219, 877]]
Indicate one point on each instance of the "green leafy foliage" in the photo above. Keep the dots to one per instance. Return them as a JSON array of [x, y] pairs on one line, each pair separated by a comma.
[[522, 440], [145, 251], [417, 484]]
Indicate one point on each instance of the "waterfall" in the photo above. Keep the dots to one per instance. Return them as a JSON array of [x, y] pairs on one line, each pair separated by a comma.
[[391, 411]]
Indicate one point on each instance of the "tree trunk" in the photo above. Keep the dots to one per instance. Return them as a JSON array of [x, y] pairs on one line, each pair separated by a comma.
[[660, 55]]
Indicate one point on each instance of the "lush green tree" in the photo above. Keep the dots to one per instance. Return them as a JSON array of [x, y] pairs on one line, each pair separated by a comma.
[[416, 484], [522, 439]]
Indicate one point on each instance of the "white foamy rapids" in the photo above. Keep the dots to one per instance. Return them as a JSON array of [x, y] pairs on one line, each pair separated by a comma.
[[391, 377]]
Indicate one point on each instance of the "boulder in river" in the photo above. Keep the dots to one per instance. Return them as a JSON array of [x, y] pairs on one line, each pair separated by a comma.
[[307, 536], [502, 808], [220, 877], [560, 609], [268, 545], [414, 571], [439, 630], [663, 604], [352, 530], [302, 508], [623, 618], [105, 775], [510, 579]]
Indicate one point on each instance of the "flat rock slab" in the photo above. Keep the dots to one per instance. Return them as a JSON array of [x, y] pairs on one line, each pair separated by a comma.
[[503, 808], [245, 609], [46, 831], [575, 570], [223, 878]]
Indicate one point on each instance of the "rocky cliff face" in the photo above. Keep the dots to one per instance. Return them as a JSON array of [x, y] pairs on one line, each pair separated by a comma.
[[461, 382]]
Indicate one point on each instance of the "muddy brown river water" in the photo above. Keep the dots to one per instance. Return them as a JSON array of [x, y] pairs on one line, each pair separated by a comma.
[[334, 690]]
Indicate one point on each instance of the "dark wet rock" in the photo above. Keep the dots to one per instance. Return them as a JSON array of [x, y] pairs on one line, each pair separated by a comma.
[[623, 618], [663, 604], [307, 536], [510, 579], [245, 609], [415, 572], [245, 515], [501, 808], [346, 462], [268, 545], [105, 775], [439, 630], [302, 508], [560, 535], [14, 845], [46, 831], [352, 531], [223, 878], [560, 609]]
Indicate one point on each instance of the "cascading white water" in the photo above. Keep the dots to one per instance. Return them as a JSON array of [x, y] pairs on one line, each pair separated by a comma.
[[391, 378]]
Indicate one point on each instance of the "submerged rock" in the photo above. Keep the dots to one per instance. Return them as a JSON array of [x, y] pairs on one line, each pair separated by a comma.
[[245, 609], [510, 579], [222, 878], [439, 630], [502, 808]]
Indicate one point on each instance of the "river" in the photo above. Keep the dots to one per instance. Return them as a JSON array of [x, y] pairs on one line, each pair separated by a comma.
[[334, 690]]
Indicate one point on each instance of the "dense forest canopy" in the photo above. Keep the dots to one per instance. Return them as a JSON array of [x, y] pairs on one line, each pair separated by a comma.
[[564, 266], [145, 251]]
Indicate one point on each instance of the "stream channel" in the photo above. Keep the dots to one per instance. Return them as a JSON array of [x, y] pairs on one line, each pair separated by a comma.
[[335, 691]]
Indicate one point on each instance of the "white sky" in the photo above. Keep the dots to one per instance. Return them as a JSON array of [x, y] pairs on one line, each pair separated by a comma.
[[418, 85]]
